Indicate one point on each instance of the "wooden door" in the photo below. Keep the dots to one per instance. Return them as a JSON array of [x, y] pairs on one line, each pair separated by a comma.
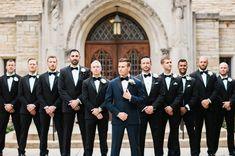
[[108, 54]]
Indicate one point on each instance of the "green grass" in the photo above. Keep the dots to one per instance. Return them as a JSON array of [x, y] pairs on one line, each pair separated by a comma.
[[9, 129]]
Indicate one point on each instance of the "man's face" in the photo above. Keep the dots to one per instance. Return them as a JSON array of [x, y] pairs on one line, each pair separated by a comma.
[[74, 58], [182, 66], [123, 69], [223, 69], [32, 66], [203, 62], [167, 65], [96, 68], [52, 64], [10, 67], [145, 65]]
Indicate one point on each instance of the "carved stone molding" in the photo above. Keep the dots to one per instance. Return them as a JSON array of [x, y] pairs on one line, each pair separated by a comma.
[[165, 51]]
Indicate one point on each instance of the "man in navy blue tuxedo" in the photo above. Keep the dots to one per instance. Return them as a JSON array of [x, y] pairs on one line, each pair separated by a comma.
[[225, 91], [124, 97]]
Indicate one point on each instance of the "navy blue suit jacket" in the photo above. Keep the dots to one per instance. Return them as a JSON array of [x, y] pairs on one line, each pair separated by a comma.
[[116, 103]]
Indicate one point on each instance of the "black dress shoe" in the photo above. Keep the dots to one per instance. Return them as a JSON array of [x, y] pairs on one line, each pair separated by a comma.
[[1, 154], [230, 154], [211, 154], [22, 155]]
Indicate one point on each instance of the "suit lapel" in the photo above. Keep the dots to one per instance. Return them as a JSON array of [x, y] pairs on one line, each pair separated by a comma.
[[93, 84], [69, 73], [27, 83], [119, 84], [200, 77], [34, 85], [5, 82], [142, 80], [47, 80]]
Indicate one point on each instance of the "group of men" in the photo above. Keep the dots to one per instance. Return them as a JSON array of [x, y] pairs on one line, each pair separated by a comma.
[[134, 101]]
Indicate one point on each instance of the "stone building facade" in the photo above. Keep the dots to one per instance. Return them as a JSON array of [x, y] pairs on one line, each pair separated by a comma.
[[182, 28]]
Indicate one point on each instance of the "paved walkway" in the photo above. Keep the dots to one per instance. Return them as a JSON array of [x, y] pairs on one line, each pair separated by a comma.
[[124, 152]]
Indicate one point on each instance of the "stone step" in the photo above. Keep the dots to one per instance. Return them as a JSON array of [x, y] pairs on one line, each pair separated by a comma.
[[33, 140]]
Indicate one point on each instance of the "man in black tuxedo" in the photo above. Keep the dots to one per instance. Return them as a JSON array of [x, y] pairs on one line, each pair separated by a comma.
[[205, 108], [152, 113], [188, 102], [50, 104], [9, 104], [70, 90], [225, 91], [173, 92], [123, 98], [29, 103], [93, 94]]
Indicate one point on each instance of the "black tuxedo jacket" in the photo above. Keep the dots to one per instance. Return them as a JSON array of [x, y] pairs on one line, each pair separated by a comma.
[[25, 96], [174, 95], [67, 89], [225, 95], [116, 103], [92, 99], [9, 97], [190, 93], [46, 96], [156, 95], [205, 92]]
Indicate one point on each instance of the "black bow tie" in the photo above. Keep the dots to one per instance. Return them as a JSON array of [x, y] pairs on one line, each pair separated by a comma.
[[146, 75], [32, 76], [167, 76], [124, 78], [52, 73], [183, 77], [10, 76], [203, 71], [74, 68], [226, 78], [96, 78]]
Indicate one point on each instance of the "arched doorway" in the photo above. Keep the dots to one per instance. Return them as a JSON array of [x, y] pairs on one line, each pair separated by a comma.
[[101, 44]]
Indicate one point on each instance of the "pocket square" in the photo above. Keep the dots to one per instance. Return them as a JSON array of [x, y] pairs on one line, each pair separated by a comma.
[[188, 85], [156, 83], [175, 83]]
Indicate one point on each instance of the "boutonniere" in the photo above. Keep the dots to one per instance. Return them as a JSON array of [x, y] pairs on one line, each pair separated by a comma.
[[188, 85], [15, 79], [230, 79], [174, 75], [102, 80], [188, 78], [58, 74], [155, 75], [37, 76], [210, 73], [83, 69], [131, 81]]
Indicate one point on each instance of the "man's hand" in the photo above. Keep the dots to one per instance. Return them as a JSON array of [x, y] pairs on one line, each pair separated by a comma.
[[74, 104], [205, 103], [122, 115], [227, 105], [95, 111], [31, 107], [183, 110], [99, 116], [33, 112], [149, 110], [169, 110], [9, 108], [127, 95]]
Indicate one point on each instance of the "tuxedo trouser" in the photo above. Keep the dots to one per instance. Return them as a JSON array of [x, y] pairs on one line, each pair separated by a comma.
[[156, 125], [209, 117], [173, 139], [90, 135], [133, 136], [4, 118], [189, 121], [229, 118], [25, 121], [82, 126], [45, 124]]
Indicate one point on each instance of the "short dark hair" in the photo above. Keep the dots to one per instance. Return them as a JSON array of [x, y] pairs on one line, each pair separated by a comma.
[[74, 50], [182, 60], [51, 57], [125, 60], [145, 57], [165, 57]]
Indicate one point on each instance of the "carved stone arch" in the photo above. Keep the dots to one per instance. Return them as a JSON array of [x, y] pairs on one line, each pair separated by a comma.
[[137, 9]]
